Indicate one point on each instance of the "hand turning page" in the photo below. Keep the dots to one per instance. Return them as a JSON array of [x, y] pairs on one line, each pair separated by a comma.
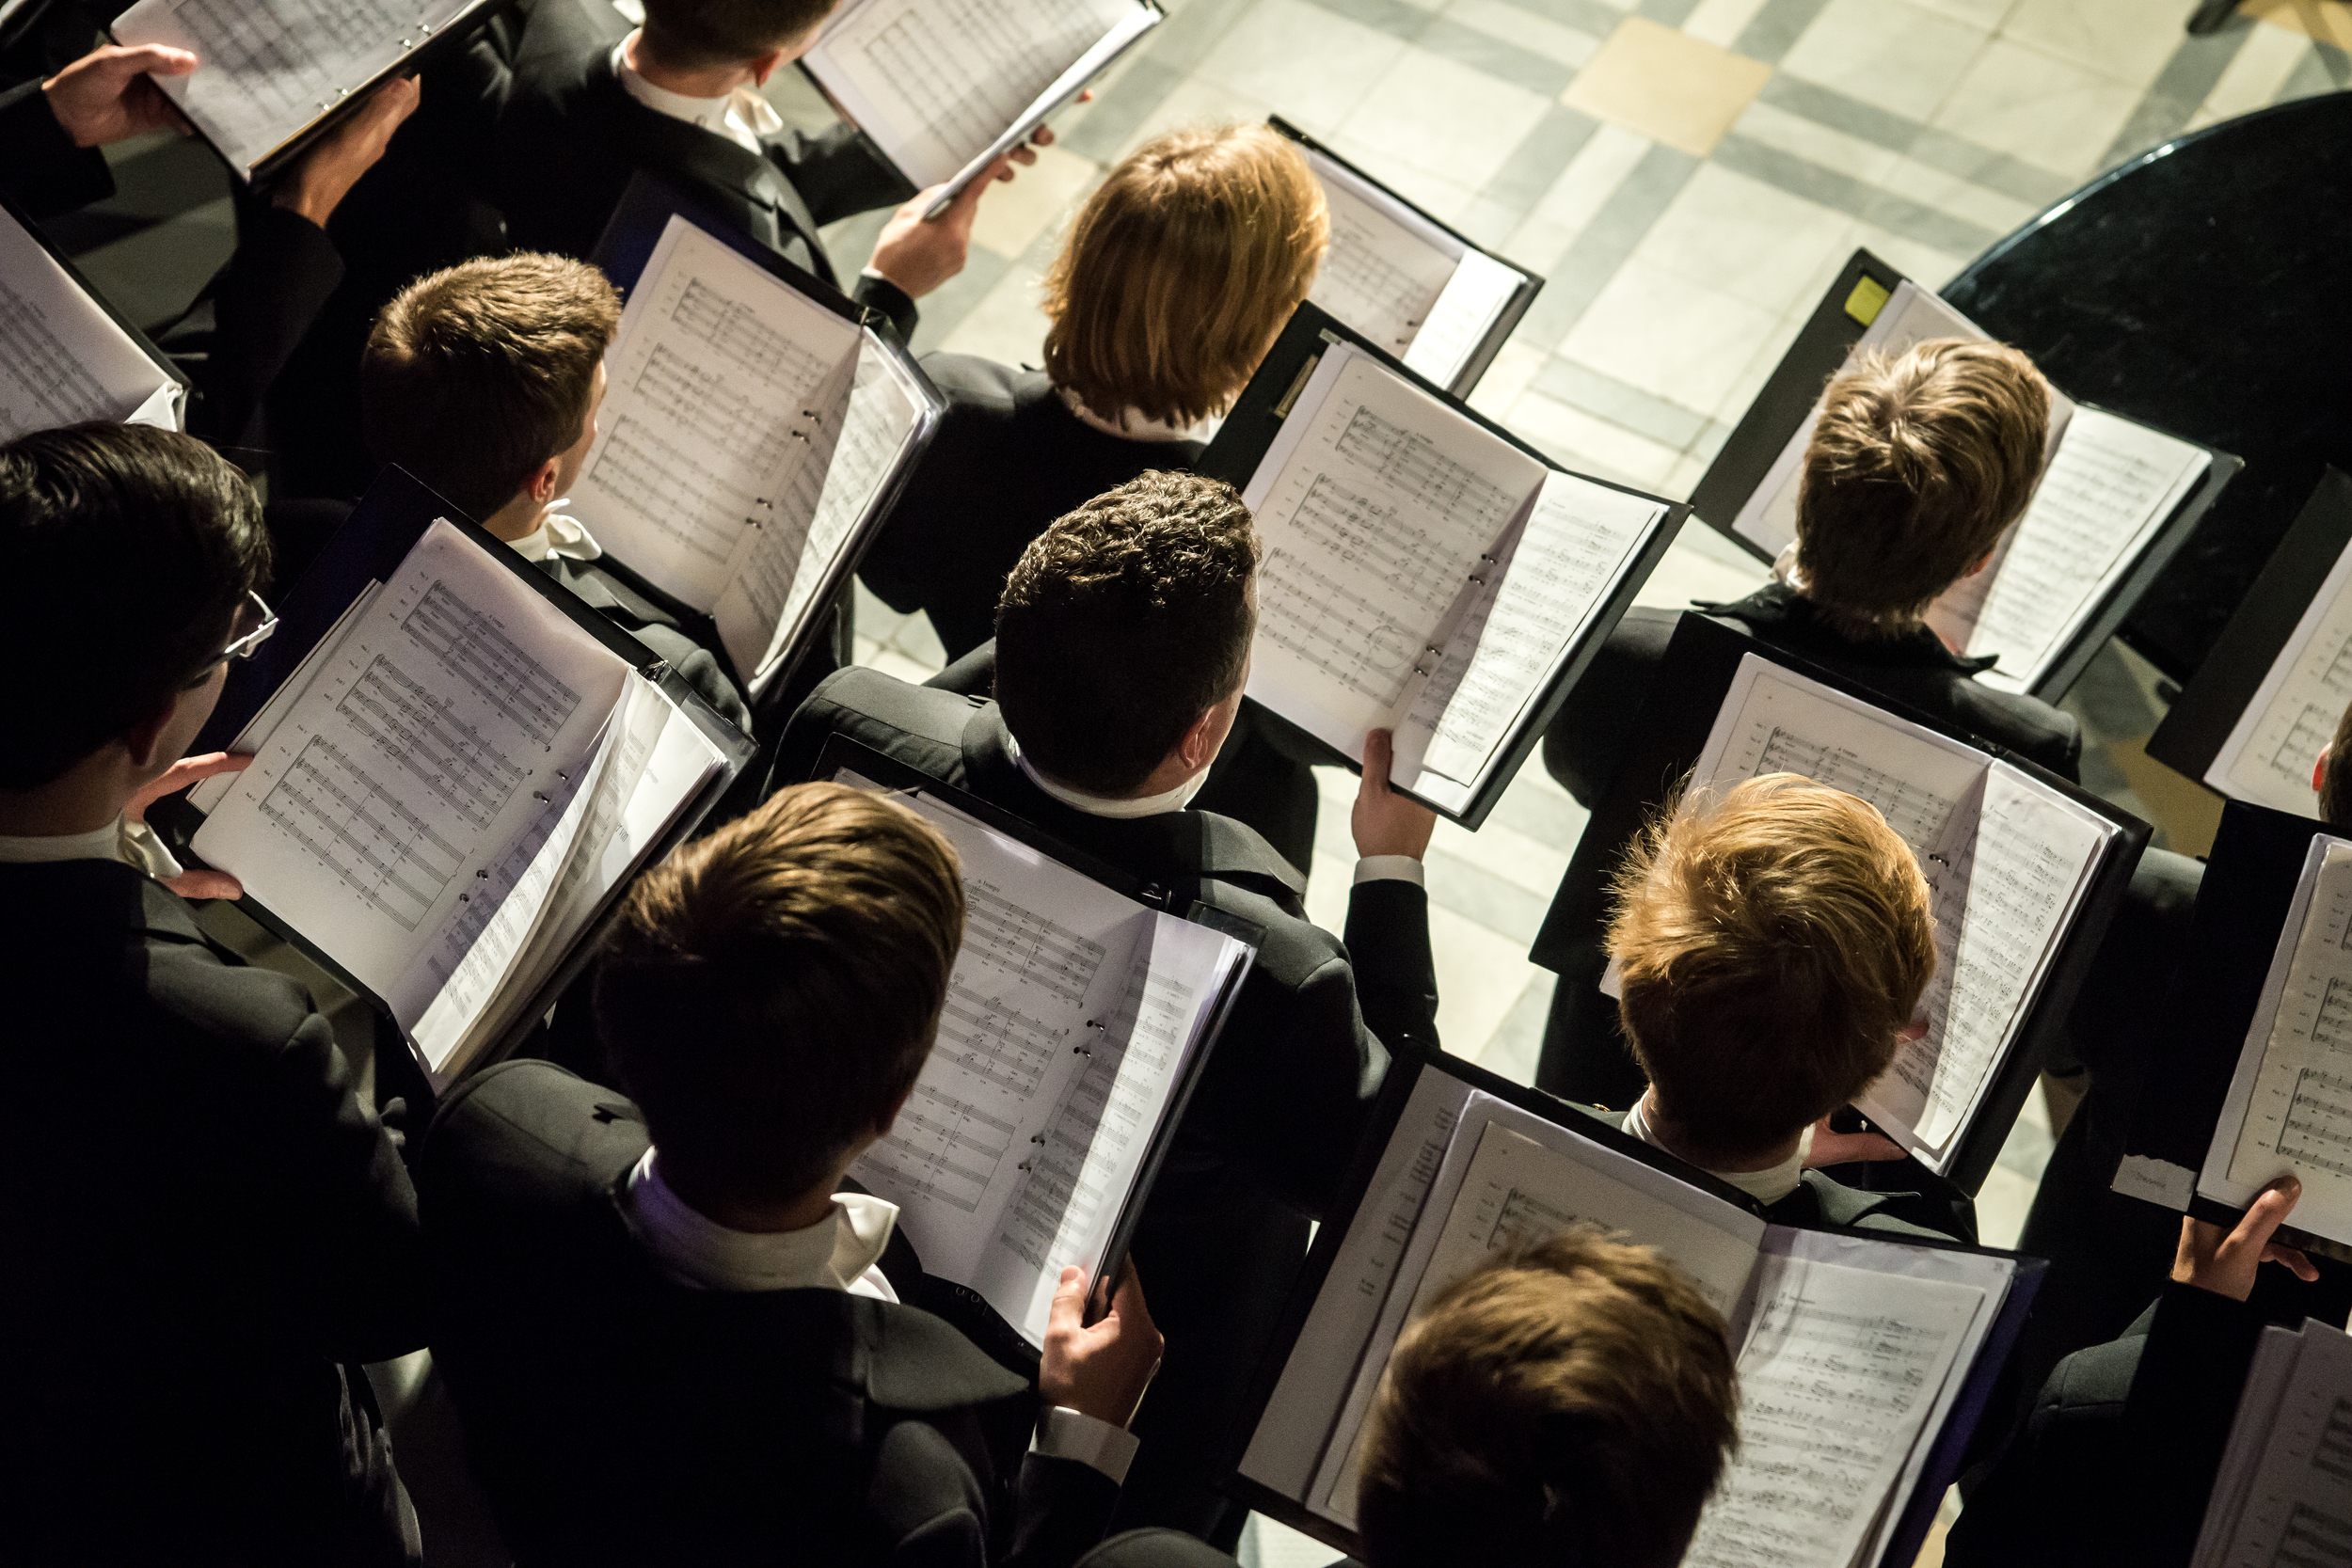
[[63, 360], [2289, 1109], [269, 69], [947, 87], [1073, 1017], [1421, 574], [2008, 861], [2276, 742]]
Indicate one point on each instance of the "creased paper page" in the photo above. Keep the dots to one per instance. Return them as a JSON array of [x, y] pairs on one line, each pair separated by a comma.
[[62, 359], [724, 391], [1386, 267], [1373, 527], [1838, 1373], [2298, 1118], [2279, 740]]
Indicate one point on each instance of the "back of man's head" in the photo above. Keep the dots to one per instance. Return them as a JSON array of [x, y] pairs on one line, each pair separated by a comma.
[[1919, 462], [1569, 1406], [771, 991], [1773, 944], [702, 35], [1122, 623], [475, 376], [127, 551]]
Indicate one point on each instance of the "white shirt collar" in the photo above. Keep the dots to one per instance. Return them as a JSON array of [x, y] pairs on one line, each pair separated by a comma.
[[742, 115], [1131, 422], [837, 1253], [1103, 805], [557, 535], [1765, 1186], [133, 843]]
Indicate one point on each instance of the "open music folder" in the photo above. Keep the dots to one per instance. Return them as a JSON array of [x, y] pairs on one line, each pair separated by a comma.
[[2283, 1495], [2256, 716], [1864, 1361], [457, 768], [1421, 290], [1078, 1019], [66, 354], [945, 87], [755, 431], [273, 75], [2115, 500], [2024, 869], [1424, 571]]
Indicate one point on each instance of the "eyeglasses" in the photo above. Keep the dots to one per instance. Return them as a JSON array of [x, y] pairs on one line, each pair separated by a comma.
[[244, 645]]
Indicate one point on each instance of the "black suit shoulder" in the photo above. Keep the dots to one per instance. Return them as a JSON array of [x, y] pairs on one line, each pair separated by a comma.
[[41, 169]]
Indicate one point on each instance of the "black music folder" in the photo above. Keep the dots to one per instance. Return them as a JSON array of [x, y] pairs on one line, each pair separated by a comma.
[[1426, 570], [457, 769], [272, 76], [2254, 718], [2023, 866], [944, 89], [756, 429], [1426, 294], [1080, 1013], [2251, 1077], [2116, 500], [66, 353], [1460, 1163]]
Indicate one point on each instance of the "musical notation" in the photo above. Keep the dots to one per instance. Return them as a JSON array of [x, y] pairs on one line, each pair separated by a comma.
[[996, 1041], [1028, 947], [1378, 276], [491, 665], [1523, 1219], [2299, 1112], [1410, 469], [2333, 1454], [63, 360], [942, 1147], [418, 734], [1916, 812], [2317, 1128], [361, 833], [42, 384], [2313, 1538]]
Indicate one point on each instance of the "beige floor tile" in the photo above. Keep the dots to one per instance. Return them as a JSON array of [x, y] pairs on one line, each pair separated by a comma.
[[1480, 975], [1006, 326], [1815, 143], [1438, 116], [1670, 335], [1751, 240], [1037, 198], [2328, 21], [1885, 52], [1591, 445], [1259, 58], [1667, 85], [1721, 21], [2127, 39], [1533, 33], [2032, 105], [2254, 76]]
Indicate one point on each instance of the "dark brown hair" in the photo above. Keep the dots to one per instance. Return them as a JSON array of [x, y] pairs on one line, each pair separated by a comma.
[[1569, 1406], [1918, 465], [1122, 623], [1774, 943], [697, 34], [1180, 271], [127, 551], [475, 376], [771, 991]]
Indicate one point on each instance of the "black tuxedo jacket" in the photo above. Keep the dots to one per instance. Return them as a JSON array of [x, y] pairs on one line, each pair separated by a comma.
[[570, 136], [1009, 457], [616, 1416], [202, 1223], [1586, 743], [1301, 1058], [41, 169], [2119, 1457]]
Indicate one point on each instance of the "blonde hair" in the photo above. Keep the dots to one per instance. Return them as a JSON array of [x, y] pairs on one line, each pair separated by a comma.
[[1774, 943], [1918, 465], [1180, 271]]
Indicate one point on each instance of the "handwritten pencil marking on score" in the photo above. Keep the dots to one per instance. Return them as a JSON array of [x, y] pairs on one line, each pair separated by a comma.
[[44, 385], [357, 828]]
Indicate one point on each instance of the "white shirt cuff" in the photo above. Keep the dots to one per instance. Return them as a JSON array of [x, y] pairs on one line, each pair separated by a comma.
[[1389, 868], [1066, 1433]]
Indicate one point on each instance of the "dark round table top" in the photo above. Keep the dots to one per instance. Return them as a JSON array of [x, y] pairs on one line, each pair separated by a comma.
[[2204, 288]]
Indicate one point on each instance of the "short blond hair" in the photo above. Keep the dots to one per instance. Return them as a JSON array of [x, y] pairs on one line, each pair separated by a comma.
[[1774, 943], [1919, 463], [1180, 271]]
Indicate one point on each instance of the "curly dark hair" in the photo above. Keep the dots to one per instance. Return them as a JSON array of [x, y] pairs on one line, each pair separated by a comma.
[[1122, 623]]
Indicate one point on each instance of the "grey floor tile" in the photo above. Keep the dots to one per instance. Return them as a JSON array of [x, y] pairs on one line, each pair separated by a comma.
[[1667, 13], [1396, 18], [1184, 40], [1584, 387], [1518, 1045], [2324, 70], [1995, 171], [2027, 1150], [1535, 164], [153, 275], [1594, 17], [1916, 221], [1795, 175], [1496, 57], [1592, 258], [1113, 121], [1774, 29], [947, 305], [1483, 899], [1546, 816], [1827, 106]]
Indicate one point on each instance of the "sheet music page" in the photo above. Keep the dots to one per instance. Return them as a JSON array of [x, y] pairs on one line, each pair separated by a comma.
[[1838, 1373], [726, 389], [2296, 1114], [2296, 1510], [1543, 592], [1458, 324], [2110, 486], [761, 611], [62, 359], [2279, 740], [2275, 1356], [1375, 518], [1386, 267], [1910, 317], [389, 797], [269, 68], [934, 82]]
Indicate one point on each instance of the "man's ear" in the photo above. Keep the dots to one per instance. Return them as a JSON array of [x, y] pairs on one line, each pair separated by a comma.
[[143, 740], [541, 486], [2319, 774], [765, 66], [1194, 745], [1982, 562]]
